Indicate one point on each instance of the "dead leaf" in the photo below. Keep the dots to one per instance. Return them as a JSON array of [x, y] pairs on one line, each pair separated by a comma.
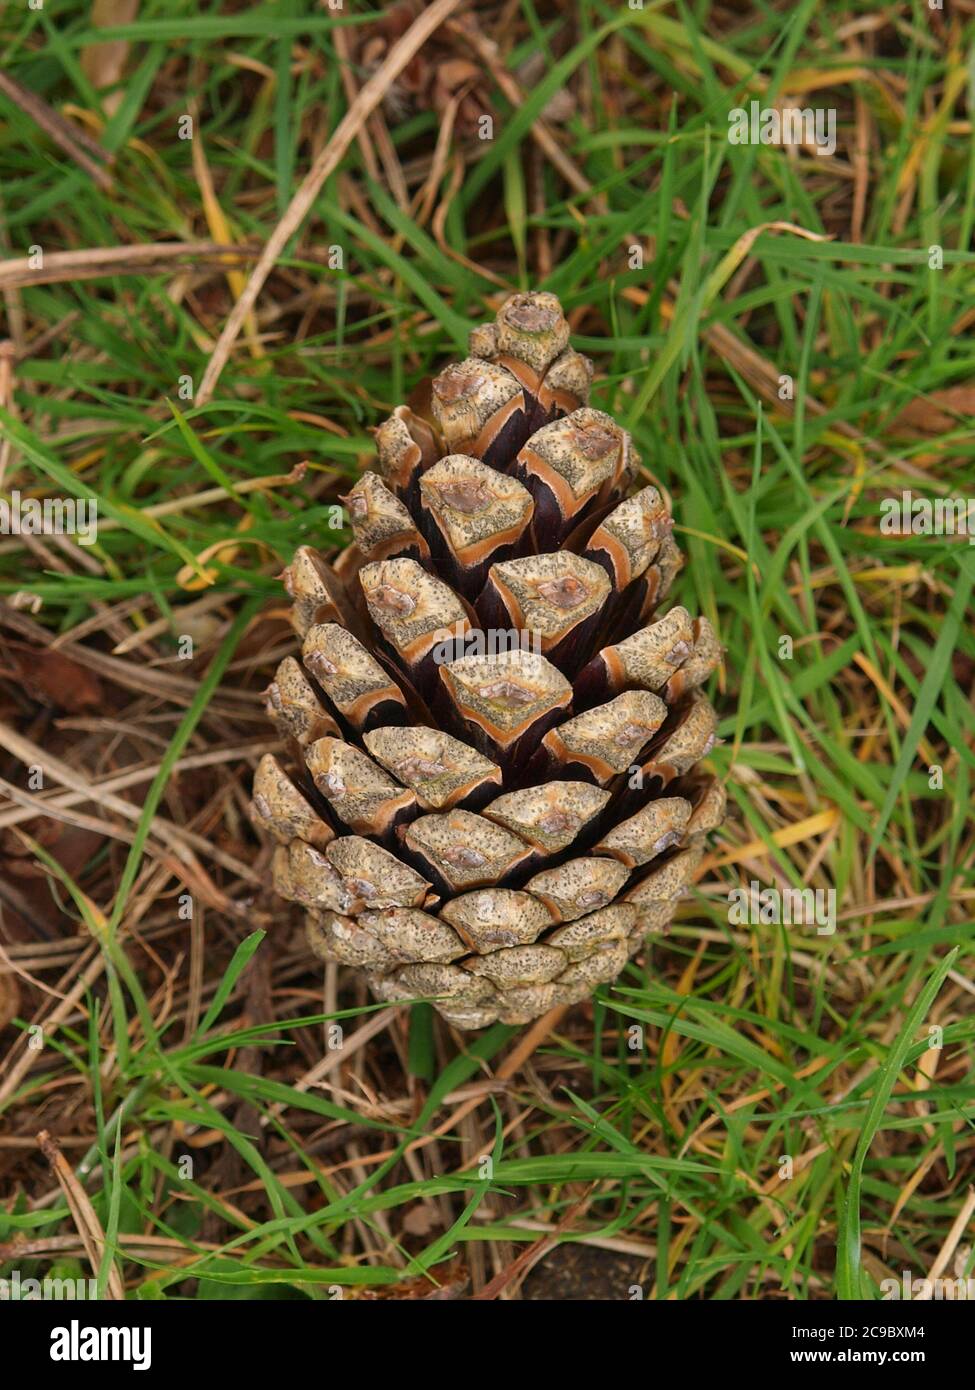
[[104, 63], [938, 412], [52, 678], [451, 1281], [421, 1219]]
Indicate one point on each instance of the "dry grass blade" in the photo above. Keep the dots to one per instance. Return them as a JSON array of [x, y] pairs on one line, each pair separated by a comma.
[[327, 162], [179, 839], [97, 261], [130, 674], [83, 1214], [533, 1253], [950, 1245]]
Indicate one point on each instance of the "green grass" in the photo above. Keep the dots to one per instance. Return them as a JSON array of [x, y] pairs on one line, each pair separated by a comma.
[[765, 1138]]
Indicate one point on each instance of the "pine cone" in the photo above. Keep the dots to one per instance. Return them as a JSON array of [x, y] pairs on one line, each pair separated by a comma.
[[494, 794]]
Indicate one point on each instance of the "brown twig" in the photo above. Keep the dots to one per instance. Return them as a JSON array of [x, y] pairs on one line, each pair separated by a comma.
[[85, 151]]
